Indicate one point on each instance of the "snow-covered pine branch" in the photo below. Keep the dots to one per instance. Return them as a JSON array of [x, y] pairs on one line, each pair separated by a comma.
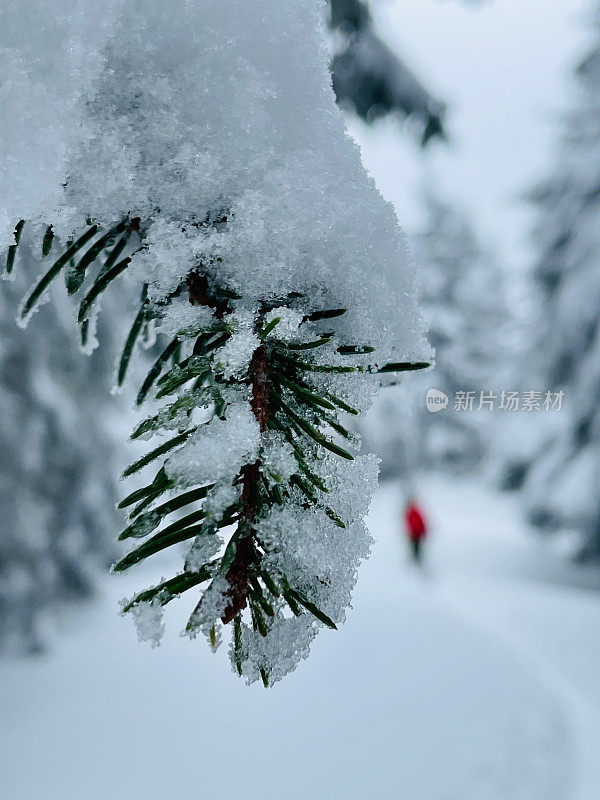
[[213, 170]]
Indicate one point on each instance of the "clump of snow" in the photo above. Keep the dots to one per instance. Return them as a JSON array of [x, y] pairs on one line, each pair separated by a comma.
[[210, 608], [202, 549], [277, 456], [313, 553], [289, 322], [168, 254], [176, 415], [50, 50], [184, 318], [280, 651], [147, 617], [220, 498], [203, 111], [358, 390], [351, 484], [216, 451], [234, 357], [149, 334]]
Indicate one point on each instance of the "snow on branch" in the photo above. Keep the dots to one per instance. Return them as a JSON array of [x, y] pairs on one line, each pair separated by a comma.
[[212, 169]]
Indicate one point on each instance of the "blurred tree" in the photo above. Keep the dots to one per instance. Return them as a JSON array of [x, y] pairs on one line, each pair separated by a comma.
[[372, 80], [57, 464], [560, 469], [464, 304], [463, 299]]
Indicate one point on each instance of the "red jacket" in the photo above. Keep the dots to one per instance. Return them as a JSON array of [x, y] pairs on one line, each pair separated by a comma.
[[415, 523]]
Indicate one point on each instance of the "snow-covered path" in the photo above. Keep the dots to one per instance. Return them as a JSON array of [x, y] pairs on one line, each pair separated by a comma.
[[515, 588], [476, 681]]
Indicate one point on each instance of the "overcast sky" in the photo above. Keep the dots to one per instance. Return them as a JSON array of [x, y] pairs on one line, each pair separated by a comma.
[[502, 66]]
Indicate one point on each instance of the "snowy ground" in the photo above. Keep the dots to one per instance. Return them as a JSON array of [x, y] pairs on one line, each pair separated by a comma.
[[477, 680]]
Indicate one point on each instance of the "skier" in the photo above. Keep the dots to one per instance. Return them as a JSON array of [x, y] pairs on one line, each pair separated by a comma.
[[416, 529]]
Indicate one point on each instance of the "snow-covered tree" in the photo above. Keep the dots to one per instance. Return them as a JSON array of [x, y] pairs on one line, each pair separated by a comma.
[[57, 463], [558, 465], [464, 304], [372, 80], [213, 172]]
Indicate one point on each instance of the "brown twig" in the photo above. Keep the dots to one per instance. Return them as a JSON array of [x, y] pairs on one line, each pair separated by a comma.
[[200, 295], [246, 555]]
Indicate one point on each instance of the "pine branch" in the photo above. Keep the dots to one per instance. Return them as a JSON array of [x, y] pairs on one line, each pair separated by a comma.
[[287, 382]]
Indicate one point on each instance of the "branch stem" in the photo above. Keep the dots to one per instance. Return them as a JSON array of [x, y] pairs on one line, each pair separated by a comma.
[[247, 558]]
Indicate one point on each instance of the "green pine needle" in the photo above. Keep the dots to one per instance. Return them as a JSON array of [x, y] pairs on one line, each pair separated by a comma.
[[113, 256], [309, 345], [47, 241], [194, 367], [169, 590], [188, 401], [12, 250], [402, 366], [84, 332], [157, 452], [155, 370], [258, 621], [340, 404], [100, 284], [257, 594], [77, 274], [302, 392], [313, 433], [330, 420], [309, 367], [179, 531], [334, 518], [160, 483], [328, 314], [147, 501], [269, 326], [355, 350], [146, 523], [55, 270], [296, 480], [269, 583], [132, 338], [316, 612]]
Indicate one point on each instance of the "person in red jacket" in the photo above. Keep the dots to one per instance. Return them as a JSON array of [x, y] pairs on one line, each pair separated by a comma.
[[416, 529]]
